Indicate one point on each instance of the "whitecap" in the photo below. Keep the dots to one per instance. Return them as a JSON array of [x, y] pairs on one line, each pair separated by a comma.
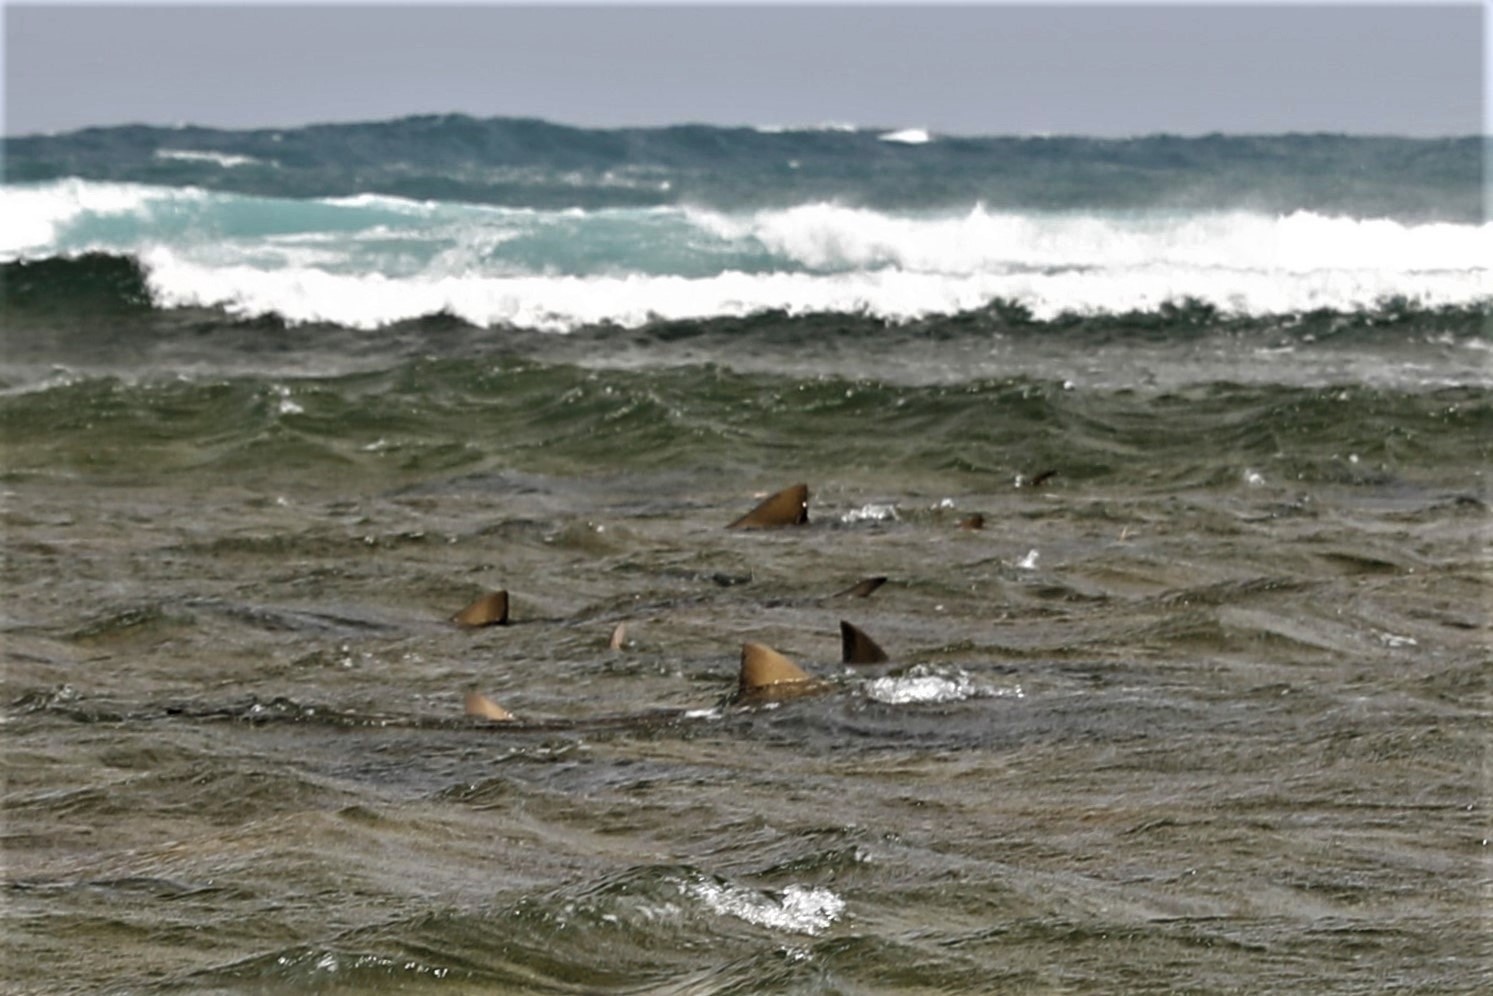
[[225, 160], [920, 685], [284, 405], [908, 136], [871, 513], [796, 909], [39, 216], [831, 126]]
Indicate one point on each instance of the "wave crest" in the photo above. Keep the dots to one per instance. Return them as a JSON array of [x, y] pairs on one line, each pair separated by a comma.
[[368, 260], [564, 303]]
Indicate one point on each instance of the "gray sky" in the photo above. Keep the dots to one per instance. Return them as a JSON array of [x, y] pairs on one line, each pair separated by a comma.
[[1414, 69]]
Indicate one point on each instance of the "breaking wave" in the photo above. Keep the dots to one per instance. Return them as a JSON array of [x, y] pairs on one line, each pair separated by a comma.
[[366, 261]]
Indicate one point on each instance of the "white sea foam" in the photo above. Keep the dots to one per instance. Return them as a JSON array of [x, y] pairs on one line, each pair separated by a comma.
[[774, 129], [383, 202], [908, 136], [216, 158], [284, 405], [871, 512], [923, 684], [796, 909], [921, 687], [832, 236], [561, 303], [38, 215]]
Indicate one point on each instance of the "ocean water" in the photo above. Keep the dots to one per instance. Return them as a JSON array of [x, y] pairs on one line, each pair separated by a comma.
[[1202, 707]]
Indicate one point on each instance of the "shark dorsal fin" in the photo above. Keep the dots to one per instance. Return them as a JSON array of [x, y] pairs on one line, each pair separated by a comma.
[[858, 648], [488, 610], [765, 673], [482, 707], [861, 589], [619, 637], [789, 507]]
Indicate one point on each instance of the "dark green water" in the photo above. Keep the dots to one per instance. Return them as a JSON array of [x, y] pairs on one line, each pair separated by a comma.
[[1205, 711]]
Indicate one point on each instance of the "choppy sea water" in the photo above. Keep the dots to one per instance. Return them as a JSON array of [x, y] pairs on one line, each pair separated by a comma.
[[1203, 706]]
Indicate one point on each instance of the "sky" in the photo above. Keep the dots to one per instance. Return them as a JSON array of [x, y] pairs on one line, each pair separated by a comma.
[[1108, 70]]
